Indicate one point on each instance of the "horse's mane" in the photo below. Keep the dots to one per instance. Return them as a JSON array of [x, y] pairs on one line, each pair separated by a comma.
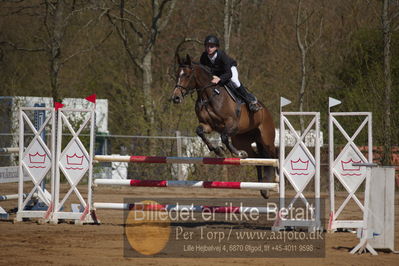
[[205, 68]]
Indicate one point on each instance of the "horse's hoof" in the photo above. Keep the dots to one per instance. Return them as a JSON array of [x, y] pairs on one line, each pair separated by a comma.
[[242, 154], [265, 194]]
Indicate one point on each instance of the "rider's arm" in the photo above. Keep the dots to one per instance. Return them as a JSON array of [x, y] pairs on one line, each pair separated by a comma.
[[226, 76]]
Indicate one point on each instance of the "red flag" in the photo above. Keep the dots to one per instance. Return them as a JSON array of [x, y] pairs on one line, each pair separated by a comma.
[[91, 98], [58, 105]]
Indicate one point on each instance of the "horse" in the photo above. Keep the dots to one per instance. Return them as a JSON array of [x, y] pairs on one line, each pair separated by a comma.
[[217, 111]]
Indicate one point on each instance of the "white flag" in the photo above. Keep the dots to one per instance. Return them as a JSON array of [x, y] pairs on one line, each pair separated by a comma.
[[333, 102], [284, 102]]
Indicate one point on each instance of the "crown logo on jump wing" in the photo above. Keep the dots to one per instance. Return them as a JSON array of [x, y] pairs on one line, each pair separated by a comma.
[[347, 166], [37, 158], [74, 159], [299, 165]]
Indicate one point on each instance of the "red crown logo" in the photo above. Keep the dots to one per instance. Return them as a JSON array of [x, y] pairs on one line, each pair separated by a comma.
[[347, 166], [299, 165], [37, 158], [74, 159]]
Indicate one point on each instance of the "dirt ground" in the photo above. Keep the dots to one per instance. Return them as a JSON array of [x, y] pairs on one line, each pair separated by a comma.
[[30, 243]]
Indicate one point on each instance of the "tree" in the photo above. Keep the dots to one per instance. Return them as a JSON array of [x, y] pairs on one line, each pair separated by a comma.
[[229, 6], [304, 45], [139, 34], [388, 14], [55, 19]]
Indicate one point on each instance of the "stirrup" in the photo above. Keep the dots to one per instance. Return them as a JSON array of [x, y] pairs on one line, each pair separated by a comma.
[[254, 106]]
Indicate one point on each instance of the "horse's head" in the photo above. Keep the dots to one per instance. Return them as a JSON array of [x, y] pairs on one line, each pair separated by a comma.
[[185, 80]]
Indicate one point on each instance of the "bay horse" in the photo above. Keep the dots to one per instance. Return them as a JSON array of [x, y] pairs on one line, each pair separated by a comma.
[[217, 111]]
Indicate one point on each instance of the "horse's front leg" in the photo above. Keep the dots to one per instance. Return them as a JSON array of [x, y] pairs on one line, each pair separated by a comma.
[[231, 129], [203, 129], [226, 141]]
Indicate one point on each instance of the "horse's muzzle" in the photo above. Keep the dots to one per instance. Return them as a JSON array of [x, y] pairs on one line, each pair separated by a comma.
[[177, 99]]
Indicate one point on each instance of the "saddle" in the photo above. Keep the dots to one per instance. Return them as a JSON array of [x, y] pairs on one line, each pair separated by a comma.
[[242, 93], [236, 97], [233, 93]]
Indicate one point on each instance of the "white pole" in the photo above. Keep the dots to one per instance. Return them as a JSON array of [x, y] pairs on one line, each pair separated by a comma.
[[91, 154], [15, 196], [282, 159], [59, 115], [317, 175], [192, 184], [330, 163], [282, 153], [53, 156], [174, 207], [9, 197], [9, 150], [183, 160], [370, 135], [179, 154], [20, 169]]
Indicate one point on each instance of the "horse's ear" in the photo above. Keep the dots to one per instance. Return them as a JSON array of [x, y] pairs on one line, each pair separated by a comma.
[[178, 59], [188, 60]]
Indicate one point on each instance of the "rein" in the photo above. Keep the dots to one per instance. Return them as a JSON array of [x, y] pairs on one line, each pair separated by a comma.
[[191, 90], [202, 102]]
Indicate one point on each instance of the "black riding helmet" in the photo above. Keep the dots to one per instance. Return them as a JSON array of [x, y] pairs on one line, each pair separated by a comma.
[[211, 39]]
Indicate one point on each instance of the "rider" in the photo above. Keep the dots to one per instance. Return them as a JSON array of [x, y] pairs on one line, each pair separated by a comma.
[[224, 69]]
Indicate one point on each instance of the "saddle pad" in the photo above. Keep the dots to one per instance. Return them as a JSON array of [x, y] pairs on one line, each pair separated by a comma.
[[235, 98]]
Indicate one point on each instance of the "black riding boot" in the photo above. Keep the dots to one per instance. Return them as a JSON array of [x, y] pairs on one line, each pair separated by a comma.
[[249, 99]]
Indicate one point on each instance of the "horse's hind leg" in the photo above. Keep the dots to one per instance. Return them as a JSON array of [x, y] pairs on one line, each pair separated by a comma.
[[263, 171], [243, 142], [201, 130], [266, 142], [268, 171], [271, 171], [264, 192]]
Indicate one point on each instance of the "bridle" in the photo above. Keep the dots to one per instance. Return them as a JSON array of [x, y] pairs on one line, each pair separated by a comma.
[[191, 90]]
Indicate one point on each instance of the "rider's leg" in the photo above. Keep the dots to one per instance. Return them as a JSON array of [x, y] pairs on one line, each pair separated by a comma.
[[234, 77], [248, 97]]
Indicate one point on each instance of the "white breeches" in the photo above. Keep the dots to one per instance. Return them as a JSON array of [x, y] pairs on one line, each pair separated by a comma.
[[234, 77]]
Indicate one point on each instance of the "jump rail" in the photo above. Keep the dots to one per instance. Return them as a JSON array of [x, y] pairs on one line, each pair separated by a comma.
[[174, 207], [14, 196], [9, 150], [9, 197], [186, 160], [193, 184]]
